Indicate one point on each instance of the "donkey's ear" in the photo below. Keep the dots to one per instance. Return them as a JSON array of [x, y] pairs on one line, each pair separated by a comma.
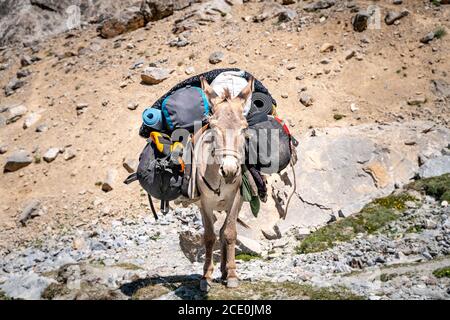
[[209, 91], [247, 91]]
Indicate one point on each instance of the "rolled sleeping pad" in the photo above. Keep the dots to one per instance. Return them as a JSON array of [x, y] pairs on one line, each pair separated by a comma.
[[153, 118], [261, 103]]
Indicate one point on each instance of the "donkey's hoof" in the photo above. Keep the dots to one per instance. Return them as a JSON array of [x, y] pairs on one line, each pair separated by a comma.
[[232, 283], [205, 285]]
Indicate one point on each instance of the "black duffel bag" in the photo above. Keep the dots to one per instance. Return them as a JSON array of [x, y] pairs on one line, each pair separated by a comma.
[[266, 152], [158, 175]]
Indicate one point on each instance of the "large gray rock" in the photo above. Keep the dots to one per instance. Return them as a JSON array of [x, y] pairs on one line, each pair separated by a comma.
[[27, 287], [152, 75], [272, 10], [51, 154], [440, 88], [31, 120], [191, 243], [30, 211], [17, 160], [392, 16], [319, 5], [129, 20], [248, 246], [204, 12], [15, 113], [339, 170], [154, 10], [435, 167], [43, 18], [13, 85]]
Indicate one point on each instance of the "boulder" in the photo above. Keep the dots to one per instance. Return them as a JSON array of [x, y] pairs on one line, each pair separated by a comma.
[[69, 154], [340, 170], [272, 10], [204, 12], [129, 20], [360, 21], [440, 88], [392, 16], [319, 5], [51, 154], [427, 38], [17, 160], [30, 211], [31, 120], [15, 113], [13, 85], [191, 243], [216, 57], [27, 286], [435, 167], [248, 246], [153, 75], [25, 61], [40, 19], [153, 10]]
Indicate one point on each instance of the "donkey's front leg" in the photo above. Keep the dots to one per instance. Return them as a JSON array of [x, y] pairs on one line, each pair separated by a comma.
[[228, 238], [209, 239]]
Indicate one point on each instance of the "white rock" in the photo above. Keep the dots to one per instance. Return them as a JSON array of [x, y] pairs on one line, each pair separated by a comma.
[[247, 245], [110, 180], [51, 154], [27, 287], [31, 120], [15, 113]]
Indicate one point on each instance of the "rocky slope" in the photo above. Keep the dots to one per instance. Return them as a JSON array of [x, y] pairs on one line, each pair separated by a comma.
[[370, 109], [400, 255]]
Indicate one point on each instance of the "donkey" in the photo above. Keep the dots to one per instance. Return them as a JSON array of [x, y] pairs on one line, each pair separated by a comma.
[[219, 177]]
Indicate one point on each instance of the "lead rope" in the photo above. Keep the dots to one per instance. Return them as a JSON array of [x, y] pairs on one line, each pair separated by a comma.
[[293, 144], [293, 191]]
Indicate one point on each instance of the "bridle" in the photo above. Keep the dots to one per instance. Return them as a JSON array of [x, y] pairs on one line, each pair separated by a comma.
[[217, 153], [225, 152]]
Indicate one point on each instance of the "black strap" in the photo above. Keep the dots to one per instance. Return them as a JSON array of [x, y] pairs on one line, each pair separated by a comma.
[[131, 178], [165, 207], [216, 191], [155, 215]]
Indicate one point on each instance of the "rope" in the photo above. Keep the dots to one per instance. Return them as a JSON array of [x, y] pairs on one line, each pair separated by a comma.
[[293, 191]]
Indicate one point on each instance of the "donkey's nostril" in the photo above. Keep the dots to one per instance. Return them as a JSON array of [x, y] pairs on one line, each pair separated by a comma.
[[222, 172]]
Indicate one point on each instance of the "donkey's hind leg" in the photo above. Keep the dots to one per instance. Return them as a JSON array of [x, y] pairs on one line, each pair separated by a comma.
[[209, 239]]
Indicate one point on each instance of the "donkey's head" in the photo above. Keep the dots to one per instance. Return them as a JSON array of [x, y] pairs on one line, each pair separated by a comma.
[[228, 124]]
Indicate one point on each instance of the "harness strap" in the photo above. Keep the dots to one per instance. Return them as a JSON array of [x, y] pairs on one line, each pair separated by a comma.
[[155, 215], [216, 191]]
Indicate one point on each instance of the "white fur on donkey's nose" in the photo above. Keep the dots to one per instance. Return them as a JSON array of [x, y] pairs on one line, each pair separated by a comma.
[[229, 167]]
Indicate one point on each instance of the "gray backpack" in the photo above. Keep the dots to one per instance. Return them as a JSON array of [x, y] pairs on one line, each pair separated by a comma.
[[184, 107]]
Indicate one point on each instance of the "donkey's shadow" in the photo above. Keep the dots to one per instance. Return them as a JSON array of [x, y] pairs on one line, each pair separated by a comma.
[[185, 287]]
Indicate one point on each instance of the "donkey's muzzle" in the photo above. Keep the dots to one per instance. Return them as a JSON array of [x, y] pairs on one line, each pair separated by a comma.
[[229, 169]]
